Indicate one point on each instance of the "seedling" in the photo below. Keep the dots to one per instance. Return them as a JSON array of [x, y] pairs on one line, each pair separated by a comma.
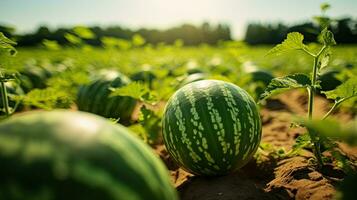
[[347, 90]]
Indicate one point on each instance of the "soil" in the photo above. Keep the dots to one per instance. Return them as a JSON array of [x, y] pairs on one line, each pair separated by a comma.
[[269, 177]]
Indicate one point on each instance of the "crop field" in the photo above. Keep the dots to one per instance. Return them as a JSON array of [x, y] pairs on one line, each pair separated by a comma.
[[188, 112], [280, 169]]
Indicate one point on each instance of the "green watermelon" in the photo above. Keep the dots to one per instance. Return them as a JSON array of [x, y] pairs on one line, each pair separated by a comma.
[[145, 76], [211, 127], [328, 79], [95, 97], [192, 78], [262, 76], [34, 77], [194, 71], [257, 74], [75, 155]]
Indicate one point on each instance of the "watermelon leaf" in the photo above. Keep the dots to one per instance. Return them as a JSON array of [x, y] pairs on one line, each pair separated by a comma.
[[7, 44], [84, 32], [324, 59], [345, 91], [48, 98], [333, 129], [73, 39], [294, 41], [136, 90], [326, 38], [301, 142], [324, 7], [51, 44], [281, 84], [151, 122]]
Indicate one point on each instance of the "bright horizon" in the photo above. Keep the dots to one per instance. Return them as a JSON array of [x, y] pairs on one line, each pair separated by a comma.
[[26, 17]]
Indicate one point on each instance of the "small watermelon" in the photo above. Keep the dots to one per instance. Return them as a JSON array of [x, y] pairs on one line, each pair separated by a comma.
[[34, 77], [75, 155], [211, 127], [145, 76], [95, 97], [328, 79], [193, 78]]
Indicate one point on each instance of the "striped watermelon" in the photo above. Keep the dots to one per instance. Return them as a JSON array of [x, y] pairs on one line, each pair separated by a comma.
[[76, 155], [34, 77], [94, 97], [329, 80], [211, 127], [145, 76], [192, 78]]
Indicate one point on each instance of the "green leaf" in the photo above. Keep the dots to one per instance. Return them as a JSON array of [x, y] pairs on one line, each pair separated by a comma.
[[72, 38], [301, 142], [294, 41], [151, 123], [333, 129], [7, 44], [48, 98], [322, 21], [111, 42], [281, 84], [84, 32], [344, 91], [136, 90], [138, 40], [326, 37], [324, 7], [51, 44], [324, 59]]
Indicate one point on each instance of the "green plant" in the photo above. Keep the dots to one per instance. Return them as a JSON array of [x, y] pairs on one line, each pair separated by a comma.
[[347, 133], [343, 92], [148, 126], [6, 45], [76, 155], [211, 127]]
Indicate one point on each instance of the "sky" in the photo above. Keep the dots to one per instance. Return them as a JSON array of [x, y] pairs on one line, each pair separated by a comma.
[[27, 15]]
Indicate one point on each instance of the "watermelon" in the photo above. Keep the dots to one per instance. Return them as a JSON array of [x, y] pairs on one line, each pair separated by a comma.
[[34, 77], [76, 155], [145, 76], [262, 76], [211, 127], [192, 78], [328, 79], [257, 74], [194, 70], [95, 97]]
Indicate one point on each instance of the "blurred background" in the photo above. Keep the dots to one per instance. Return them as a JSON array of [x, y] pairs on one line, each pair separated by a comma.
[[256, 22]]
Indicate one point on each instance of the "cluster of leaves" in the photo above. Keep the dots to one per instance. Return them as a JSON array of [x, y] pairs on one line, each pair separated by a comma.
[[347, 90], [7, 44], [149, 122]]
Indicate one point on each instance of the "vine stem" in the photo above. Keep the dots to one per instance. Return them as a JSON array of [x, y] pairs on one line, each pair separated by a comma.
[[331, 110], [5, 101], [311, 91]]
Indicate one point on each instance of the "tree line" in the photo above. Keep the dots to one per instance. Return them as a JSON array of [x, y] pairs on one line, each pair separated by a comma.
[[187, 33], [345, 32]]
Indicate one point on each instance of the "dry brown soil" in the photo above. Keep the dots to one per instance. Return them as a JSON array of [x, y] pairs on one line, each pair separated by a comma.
[[270, 177]]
